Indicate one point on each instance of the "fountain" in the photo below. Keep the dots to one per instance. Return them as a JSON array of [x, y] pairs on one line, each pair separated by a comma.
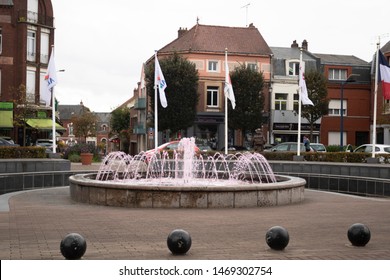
[[186, 179]]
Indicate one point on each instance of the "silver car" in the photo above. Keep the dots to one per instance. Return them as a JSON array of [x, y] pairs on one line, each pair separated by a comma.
[[379, 149], [288, 147]]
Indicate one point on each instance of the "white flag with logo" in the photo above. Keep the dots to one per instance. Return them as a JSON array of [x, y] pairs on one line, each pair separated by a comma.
[[159, 81], [228, 86], [50, 81], [302, 85]]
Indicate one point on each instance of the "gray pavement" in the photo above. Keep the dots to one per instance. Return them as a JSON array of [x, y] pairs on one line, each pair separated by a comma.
[[37, 221]]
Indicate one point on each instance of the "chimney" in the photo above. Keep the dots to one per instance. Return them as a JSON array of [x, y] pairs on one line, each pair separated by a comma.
[[304, 45], [294, 44], [181, 32]]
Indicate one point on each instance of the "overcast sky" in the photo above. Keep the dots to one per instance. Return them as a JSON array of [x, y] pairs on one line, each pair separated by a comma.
[[102, 44]]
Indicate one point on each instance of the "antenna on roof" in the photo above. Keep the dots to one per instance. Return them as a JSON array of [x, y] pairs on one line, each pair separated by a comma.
[[246, 8]]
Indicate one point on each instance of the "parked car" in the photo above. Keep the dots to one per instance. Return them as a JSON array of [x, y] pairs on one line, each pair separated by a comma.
[[169, 146], [318, 147], [204, 148], [288, 147], [4, 142], [235, 148], [46, 143], [367, 148]]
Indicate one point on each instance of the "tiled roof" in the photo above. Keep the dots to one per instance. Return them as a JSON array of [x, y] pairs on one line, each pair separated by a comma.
[[386, 48], [336, 59], [209, 38], [291, 53], [67, 111]]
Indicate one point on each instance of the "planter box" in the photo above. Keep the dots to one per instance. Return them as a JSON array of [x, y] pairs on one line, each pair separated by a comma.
[[86, 158]]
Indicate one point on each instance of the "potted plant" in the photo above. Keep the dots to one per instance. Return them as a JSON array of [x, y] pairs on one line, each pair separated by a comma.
[[86, 154]]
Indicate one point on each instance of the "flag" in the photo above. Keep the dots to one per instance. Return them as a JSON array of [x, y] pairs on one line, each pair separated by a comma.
[[384, 75], [228, 86], [50, 81], [302, 85], [159, 82]]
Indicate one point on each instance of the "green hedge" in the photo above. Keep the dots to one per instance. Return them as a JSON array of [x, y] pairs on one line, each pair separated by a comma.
[[22, 152]]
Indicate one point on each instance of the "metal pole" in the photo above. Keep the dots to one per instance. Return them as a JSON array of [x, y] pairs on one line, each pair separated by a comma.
[[375, 100], [226, 107], [53, 114], [155, 105], [342, 116], [299, 107]]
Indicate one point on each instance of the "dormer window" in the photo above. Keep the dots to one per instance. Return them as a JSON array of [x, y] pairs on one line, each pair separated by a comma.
[[337, 74], [293, 68]]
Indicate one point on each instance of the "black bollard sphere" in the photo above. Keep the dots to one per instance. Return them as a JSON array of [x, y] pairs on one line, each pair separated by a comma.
[[179, 241], [73, 246], [359, 234], [277, 238]]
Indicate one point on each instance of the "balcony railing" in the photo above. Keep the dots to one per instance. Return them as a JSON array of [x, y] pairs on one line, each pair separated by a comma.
[[140, 103], [37, 18], [139, 128]]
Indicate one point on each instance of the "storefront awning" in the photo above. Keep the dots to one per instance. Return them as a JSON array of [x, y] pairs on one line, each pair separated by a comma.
[[43, 124], [6, 119]]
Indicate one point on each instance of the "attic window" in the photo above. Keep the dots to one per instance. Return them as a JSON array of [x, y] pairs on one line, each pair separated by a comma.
[[293, 68], [337, 74]]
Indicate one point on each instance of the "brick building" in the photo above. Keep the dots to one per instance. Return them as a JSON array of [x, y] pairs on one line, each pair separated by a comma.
[[205, 45], [26, 37]]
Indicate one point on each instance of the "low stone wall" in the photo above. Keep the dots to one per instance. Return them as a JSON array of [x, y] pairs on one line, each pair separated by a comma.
[[33, 165], [359, 179], [29, 174]]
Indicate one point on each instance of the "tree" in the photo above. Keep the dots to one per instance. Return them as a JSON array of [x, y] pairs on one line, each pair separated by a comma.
[[84, 125], [120, 124], [182, 78], [247, 85], [317, 92], [24, 109]]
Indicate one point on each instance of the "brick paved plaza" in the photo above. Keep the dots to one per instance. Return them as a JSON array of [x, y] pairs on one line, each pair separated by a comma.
[[36, 222]]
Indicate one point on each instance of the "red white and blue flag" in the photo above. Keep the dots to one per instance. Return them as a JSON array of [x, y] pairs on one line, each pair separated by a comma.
[[159, 82], [384, 75]]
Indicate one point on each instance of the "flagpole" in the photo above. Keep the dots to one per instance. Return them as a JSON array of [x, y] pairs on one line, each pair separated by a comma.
[[375, 99], [155, 105], [226, 107], [299, 107], [53, 114]]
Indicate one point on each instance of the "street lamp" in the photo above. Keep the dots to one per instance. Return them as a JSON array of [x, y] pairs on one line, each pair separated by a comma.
[[350, 79]]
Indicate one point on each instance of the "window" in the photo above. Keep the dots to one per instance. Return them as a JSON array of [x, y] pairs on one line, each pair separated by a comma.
[[293, 68], [252, 66], [337, 74], [281, 101], [32, 8], [31, 49], [44, 47], [296, 102], [386, 106], [212, 96], [212, 66], [335, 107], [30, 86]]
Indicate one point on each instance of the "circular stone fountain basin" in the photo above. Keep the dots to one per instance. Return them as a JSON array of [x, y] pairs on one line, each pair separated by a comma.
[[85, 188]]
